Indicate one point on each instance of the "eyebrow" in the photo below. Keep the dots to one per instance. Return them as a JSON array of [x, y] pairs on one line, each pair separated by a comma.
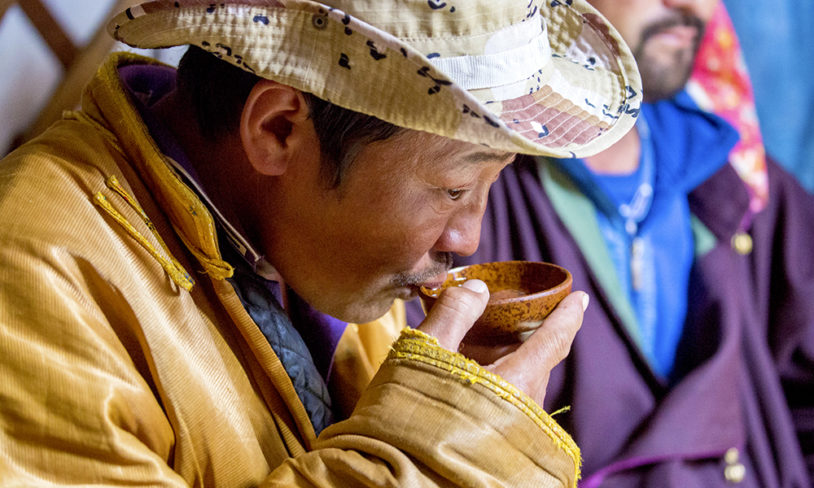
[[484, 156]]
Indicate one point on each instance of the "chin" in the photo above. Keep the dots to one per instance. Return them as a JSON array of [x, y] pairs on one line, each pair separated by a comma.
[[362, 312]]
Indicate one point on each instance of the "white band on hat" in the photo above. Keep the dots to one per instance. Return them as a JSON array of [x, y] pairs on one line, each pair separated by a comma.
[[504, 67]]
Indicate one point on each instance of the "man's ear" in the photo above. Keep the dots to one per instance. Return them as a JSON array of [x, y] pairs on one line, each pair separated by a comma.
[[274, 125]]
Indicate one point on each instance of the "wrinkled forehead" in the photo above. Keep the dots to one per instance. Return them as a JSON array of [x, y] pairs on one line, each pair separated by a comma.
[[443, 148]]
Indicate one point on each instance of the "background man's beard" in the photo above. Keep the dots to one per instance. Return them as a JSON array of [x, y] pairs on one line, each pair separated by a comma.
[[660, 82], [662, 79]]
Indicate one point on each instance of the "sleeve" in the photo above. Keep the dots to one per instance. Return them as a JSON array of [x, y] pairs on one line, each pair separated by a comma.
[[74, 407], [431, 417]]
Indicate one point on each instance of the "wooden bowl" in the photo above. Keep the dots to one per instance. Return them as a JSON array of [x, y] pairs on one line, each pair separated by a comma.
[[522, 294]]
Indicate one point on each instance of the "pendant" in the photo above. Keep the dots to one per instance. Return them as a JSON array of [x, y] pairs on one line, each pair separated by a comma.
[[637, 263]]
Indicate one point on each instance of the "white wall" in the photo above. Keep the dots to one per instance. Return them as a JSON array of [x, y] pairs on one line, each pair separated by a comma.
[[29, 72]]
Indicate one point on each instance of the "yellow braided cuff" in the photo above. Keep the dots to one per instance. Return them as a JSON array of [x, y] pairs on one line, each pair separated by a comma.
[[415, 345]]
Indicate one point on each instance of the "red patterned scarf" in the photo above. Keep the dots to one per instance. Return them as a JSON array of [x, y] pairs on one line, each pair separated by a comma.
[[720, 84]]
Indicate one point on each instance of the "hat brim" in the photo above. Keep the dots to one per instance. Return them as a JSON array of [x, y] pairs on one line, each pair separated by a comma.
[[580, 103]]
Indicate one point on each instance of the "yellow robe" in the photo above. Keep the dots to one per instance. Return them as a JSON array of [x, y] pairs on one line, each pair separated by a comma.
[[127, 358]]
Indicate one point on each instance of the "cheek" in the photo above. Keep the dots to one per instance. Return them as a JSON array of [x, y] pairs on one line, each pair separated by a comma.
[[409, 235], [401, 235]]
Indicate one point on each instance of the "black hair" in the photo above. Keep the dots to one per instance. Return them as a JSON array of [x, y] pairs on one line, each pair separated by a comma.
[[218, 91]]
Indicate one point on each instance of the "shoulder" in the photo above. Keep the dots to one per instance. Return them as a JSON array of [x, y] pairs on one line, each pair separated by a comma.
[[47, 185]]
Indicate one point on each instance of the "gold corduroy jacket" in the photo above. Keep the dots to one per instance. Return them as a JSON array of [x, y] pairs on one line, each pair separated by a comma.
[[127, 358]]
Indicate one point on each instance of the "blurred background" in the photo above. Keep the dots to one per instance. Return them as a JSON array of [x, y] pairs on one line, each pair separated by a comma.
[[50, 48], [778, 46]]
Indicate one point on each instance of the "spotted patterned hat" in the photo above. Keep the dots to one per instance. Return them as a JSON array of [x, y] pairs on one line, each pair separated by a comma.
[[548, 77]]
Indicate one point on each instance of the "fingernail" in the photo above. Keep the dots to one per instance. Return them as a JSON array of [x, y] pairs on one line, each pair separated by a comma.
[[585, 300], [477, 286]]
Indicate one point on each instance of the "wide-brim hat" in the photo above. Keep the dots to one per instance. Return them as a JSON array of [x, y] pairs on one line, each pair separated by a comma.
[[549, 77]]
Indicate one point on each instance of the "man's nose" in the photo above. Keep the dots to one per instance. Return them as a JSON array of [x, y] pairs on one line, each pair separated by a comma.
[[701, 8], [462, 233]]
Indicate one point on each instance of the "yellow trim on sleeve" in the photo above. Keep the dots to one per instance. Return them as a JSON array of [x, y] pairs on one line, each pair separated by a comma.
[[417, 346]]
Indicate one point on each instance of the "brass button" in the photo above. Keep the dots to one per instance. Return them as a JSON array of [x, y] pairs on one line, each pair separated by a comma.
[[734, 472], [731, 455], [742, 243]]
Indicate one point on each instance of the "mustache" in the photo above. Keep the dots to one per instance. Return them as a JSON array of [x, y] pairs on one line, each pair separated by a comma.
[[674, 21], [441, 263]]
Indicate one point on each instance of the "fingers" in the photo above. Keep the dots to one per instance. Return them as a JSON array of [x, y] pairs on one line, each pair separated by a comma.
[[529, 366], [454, 313], [552, 341]]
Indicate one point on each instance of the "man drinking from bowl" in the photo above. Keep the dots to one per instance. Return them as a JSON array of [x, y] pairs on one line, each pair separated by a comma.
[[180, 255]]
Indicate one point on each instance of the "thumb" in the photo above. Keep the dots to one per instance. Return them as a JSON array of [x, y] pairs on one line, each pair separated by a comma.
[[454, 313]]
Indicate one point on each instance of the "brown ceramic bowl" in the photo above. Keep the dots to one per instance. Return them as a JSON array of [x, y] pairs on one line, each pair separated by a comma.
[[522, 294]]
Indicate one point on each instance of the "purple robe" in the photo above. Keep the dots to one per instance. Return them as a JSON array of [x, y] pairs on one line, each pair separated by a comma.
[[746, 357]]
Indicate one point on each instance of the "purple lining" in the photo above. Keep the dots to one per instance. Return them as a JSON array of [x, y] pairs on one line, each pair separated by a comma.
[[148, 84], [597, 478]]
